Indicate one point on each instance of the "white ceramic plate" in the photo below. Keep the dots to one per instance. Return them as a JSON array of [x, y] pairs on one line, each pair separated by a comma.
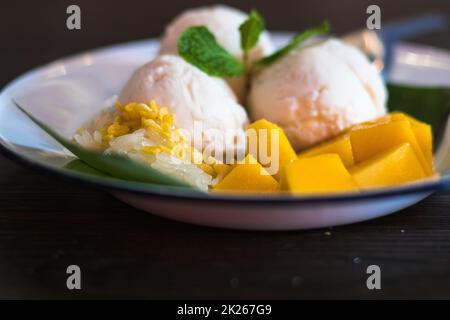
[[67, 92]]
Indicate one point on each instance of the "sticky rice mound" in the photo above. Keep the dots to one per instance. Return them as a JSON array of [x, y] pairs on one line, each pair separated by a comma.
[[146, 133]]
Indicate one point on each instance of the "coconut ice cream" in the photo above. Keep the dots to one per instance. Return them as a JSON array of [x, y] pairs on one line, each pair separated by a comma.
[[202, 105], [224, 24], [314, 92]]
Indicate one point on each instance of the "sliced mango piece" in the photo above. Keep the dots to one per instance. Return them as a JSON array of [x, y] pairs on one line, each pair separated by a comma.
[[403, 116], [423, 133], [248, 176], [372, 139], [394, 166], [340, 145], [317, 174], [262, 149], [424, 136], [221, 170]]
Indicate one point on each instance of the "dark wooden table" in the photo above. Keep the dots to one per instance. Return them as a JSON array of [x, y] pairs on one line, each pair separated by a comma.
[[47, 224]]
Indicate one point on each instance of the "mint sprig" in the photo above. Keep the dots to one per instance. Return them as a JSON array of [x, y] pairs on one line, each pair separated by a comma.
[[250, 31], [295, 42], [198, 46]]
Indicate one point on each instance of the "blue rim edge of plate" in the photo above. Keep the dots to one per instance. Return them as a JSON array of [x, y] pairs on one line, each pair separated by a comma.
[[184, 194]]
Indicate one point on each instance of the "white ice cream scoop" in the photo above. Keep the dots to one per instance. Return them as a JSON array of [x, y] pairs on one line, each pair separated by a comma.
[[202, 105], [314, 92], [224, 24]]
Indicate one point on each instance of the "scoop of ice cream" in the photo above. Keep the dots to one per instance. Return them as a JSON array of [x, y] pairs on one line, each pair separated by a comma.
[[204, 106], [317, 91], [224, 23]]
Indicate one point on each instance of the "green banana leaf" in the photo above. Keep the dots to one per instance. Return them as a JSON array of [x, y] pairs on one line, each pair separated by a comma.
[[428, 104], [109, 164], [80, 167]]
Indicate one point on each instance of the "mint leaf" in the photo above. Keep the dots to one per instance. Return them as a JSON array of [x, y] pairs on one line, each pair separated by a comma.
[[250, 30], [297, 40], [110, 164], [198, 46]]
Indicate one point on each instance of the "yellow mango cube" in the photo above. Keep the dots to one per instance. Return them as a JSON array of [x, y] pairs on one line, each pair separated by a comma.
[[340, 145], [424, 136], [248, 176], [317, 174], [372, 139], [222, 168], [259, 145], [394, 166], [423, 133]]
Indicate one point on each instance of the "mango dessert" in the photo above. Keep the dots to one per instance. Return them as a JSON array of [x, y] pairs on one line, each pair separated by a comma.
[[320, 109], [394, 166], [392, 150], [371, 139]]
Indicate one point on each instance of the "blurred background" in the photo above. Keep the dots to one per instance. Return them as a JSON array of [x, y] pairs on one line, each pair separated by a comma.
[[34, 32]]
